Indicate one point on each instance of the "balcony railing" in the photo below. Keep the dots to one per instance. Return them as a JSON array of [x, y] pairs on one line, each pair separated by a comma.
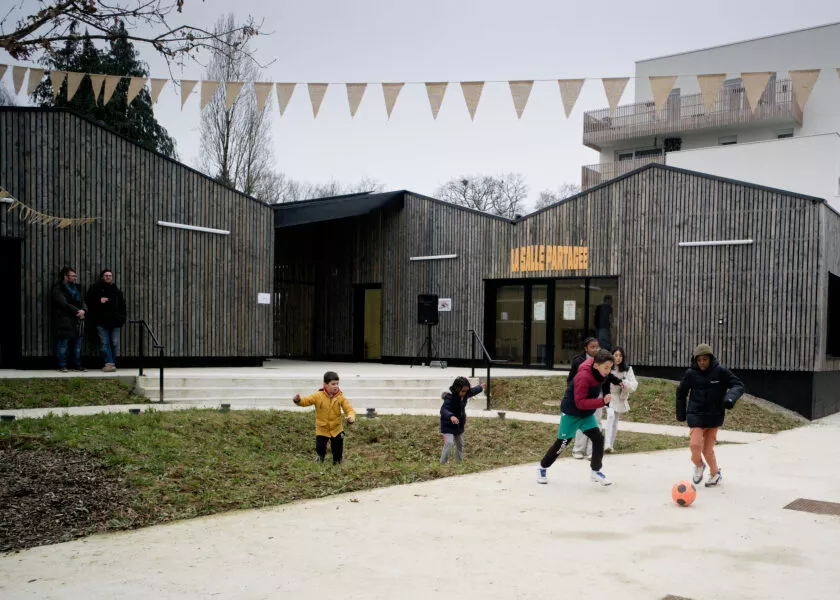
[[688, 113], [592, 175]]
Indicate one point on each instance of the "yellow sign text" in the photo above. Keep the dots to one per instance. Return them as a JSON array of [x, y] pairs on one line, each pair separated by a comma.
[[528, 259]]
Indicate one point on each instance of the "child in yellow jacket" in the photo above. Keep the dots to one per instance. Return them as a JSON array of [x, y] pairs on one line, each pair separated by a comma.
[[329, 402]]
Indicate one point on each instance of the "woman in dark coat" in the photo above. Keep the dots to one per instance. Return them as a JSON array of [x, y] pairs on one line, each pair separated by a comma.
[[453, 416], [706, 391]]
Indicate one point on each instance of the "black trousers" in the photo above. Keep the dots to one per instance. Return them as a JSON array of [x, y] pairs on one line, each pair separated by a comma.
[[337, 446], [560, 444]]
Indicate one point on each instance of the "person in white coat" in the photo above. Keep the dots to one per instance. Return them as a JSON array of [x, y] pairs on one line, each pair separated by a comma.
[[621, 395]]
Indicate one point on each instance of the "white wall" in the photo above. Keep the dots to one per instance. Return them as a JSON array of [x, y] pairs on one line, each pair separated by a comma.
[[816, 48], [805, 165]]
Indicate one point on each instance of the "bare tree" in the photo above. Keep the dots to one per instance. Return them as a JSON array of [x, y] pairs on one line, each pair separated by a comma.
[[290, 190], [51, 24], [503, 195], [235, 141], [549, 197]]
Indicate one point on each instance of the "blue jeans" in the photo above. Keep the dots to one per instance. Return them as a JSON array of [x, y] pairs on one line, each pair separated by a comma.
[[109, 343], [61, 352]]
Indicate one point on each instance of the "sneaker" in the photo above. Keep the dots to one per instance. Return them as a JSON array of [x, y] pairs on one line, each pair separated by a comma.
[[80, 369], [577, 455], [609, 450], [109, 368], [715, 479], [588, 457], [541, 478], [598, 477], [319, 459], [62, 369], [698, 473]]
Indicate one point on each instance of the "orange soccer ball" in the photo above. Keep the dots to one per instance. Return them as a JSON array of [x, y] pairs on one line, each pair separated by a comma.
[[684, 493]]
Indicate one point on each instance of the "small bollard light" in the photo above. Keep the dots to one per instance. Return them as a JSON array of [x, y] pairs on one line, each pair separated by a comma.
[[501, 414], [134, 411], [371, 413], [225, 407], [7, 418]]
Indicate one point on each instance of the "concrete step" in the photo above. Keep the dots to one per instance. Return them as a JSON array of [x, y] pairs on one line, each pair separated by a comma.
[[359, 404], [293, 382], [286, 394]]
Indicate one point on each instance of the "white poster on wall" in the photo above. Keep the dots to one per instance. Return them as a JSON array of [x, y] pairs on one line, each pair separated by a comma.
[[569, 310], [263, 298], [444, 304], [504, 316], [539, 311]]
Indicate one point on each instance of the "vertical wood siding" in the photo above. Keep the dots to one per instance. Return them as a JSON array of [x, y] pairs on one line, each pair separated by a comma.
[[198, 291]]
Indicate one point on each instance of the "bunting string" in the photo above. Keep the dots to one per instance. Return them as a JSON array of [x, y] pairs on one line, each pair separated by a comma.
[[710, 85], [30, 216]]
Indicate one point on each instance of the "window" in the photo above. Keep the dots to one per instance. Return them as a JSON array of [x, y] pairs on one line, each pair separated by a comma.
[[625, 156], [651, 152], [832, 346], [784, 133], [728, 140]]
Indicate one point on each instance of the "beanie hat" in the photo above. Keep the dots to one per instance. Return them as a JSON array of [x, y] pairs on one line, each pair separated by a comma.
[[702, 349]]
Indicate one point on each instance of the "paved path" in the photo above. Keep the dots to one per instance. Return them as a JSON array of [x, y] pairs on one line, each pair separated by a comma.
[[740, 437], [491, 535]]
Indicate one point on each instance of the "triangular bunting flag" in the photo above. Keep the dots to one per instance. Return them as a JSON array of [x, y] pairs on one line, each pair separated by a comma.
[[391, 92], [435, 91], [520, 91], [157, 87], [232, 90], [316, 96], [134, 88], [96, 82], [111, 83], [284, 94], [472, 95], [803, 83], [261, 90], [56, 81], [35, 77], [187, 86], [569, 92], [355, 91], [3, 71], [208, 88], [710, 86], [754, 85], [614, 87], [17, 77], [661, 87], [74, 80]]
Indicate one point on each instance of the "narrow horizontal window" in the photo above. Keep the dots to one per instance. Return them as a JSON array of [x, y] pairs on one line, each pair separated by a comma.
[[434, 257], [718, 243]]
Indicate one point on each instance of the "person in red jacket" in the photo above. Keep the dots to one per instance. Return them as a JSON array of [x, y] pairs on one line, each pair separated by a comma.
[[578, 410]]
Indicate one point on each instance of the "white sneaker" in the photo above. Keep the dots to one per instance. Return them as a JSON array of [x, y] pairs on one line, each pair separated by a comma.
[[598, 477], [541, 478], [698, 473], [577, 455], [715, 479], [609, 450]]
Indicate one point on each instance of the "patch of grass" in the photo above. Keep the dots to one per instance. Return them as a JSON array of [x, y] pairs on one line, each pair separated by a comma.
[[59, 392], [184, 464], [653, 402]]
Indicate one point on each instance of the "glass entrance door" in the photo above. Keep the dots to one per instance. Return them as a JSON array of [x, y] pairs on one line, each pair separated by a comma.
[[569, 319], [510, 324]]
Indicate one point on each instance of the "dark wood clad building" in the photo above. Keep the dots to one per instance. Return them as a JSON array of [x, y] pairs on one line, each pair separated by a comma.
[[677, 258], [196, 289]]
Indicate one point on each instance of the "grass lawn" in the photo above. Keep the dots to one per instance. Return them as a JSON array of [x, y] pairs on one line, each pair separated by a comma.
[[653, 402], [59, 392], [175, 465]]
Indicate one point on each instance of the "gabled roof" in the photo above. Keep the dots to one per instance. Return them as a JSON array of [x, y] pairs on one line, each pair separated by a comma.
[[290, 214]]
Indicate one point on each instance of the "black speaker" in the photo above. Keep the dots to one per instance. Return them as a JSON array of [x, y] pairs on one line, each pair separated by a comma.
[[427, 309]]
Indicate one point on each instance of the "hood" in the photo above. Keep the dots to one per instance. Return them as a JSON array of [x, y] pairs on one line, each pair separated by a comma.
[[700, 350]]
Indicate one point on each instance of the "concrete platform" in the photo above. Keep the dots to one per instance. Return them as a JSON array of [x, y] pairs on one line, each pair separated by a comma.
[[492, 535]]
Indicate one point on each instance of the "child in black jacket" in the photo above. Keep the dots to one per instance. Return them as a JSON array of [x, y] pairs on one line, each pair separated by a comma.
[[453, 416]]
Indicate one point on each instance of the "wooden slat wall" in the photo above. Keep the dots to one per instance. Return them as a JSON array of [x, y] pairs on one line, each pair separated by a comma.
[[828, 262], [198, 291]]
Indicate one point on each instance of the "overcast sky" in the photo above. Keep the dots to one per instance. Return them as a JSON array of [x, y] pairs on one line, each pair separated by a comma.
[[341, 41]]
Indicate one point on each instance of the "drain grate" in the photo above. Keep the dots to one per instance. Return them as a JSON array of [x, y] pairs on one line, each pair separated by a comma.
[[815, 506]]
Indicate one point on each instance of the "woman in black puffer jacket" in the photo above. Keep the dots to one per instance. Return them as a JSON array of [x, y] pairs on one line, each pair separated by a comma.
[[707, 389]]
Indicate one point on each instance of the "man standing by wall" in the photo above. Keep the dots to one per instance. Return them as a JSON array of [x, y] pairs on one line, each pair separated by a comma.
[[68, 319], [603, 322], [108, 314]]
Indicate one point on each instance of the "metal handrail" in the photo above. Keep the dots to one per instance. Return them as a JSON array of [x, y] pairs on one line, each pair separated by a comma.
[[157, 345], [490, 361]]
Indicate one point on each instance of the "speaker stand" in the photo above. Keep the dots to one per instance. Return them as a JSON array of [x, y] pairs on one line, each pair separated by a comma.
[[429, 346]]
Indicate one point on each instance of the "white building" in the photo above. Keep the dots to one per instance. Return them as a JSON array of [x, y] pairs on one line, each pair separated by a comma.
[[776, 145]]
